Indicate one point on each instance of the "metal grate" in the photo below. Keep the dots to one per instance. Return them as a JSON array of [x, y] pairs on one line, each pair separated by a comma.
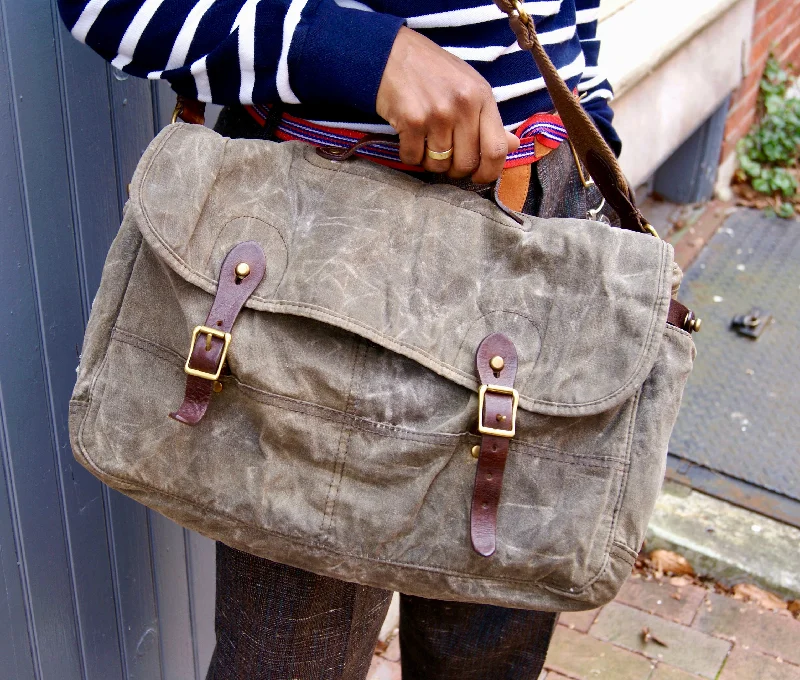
[[741, 408]]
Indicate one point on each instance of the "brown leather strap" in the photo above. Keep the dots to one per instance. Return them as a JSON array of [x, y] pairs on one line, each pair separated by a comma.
[[333, 153], [589, 144], [512, 187], [189, 110], [499, 411], [207, 351], [682, 317]]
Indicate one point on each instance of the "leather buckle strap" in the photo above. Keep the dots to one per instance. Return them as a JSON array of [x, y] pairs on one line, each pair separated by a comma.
[[189, 111], [682, 317], [498, 401], [497, 431], [241, 272], [209, 333]]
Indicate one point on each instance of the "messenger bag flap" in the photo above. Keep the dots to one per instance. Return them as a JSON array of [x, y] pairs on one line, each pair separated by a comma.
[[425, 271]]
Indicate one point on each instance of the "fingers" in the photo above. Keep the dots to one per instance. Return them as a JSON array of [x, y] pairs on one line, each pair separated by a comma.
[[513, 142], [429, 95], [440, 138], [494, 142], [466, 147], [412, 144]]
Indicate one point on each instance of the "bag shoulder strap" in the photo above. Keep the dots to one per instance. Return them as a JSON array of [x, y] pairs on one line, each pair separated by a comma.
[[589, 144]]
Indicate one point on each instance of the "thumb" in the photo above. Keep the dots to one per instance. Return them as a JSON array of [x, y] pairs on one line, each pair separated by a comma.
[[513, 141]]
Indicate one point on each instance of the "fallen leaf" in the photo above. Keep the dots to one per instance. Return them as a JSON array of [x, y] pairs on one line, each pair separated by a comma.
[[794, 608], [751, 593], [647, 636], [668, 562], [680, 581]]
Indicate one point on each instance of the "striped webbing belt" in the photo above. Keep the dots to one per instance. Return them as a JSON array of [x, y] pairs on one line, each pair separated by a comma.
[[538, 135]]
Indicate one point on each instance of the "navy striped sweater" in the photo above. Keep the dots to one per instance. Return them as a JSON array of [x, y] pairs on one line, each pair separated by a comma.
[[324, 59]]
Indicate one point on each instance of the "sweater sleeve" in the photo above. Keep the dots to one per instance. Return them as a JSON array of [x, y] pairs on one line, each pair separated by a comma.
[[228, 51], [594, 89]]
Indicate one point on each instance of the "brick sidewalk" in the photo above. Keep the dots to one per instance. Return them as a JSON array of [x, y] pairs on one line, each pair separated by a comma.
[[707, 635]]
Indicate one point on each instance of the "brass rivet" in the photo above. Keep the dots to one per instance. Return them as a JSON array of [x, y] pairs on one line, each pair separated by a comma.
[[242, 269], [696, 323], [500, 418], [497, 363], [217, 386], [476, 451]]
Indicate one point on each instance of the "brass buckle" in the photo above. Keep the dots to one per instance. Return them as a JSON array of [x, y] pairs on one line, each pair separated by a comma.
[[177, 111], [521, 11], [586, 182], [498, 389], [209, 333], [650, 229]]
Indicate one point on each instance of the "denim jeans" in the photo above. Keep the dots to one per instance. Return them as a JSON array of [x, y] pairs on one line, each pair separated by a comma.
[[278, 622]]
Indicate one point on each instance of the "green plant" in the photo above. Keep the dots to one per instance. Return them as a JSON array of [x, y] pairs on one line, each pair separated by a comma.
[[770, 153]]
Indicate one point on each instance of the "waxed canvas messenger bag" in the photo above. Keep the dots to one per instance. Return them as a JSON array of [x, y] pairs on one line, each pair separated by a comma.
[[383, 381]]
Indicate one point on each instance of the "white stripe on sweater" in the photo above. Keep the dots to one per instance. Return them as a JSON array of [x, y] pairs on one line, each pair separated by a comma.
[[505, 92], [290, 22], [478, 15], [180, 49], [87, 18], [585, 85], [198, 70], [587, 16], [353, 4], [246, 24], [598, 94], [130, 40], [492, 52]]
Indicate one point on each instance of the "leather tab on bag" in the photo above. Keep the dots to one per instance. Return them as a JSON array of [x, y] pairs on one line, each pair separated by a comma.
[[682, 317], [512, 188], [497, 368], [241, 272], [189, 111]]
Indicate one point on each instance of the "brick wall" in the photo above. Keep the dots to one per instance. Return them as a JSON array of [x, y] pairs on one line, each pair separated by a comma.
[[776, 28]]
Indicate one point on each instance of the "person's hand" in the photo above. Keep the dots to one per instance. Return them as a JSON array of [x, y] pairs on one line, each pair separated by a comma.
[[427, 94]]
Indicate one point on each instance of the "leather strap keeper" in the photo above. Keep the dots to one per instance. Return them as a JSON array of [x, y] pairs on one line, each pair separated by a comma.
[[497, 368], [241, 272]]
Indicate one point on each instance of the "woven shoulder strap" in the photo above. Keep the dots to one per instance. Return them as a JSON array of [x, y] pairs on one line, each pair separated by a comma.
[[587, 141]]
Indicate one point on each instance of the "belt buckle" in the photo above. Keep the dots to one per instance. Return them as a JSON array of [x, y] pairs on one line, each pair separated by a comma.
[[498, 389], [209, 333]]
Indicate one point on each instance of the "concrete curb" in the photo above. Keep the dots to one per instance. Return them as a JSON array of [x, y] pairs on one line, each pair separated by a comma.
[[728, 543]]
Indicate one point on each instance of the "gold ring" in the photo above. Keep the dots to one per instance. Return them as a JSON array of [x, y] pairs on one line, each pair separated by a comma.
[[439, 155]]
